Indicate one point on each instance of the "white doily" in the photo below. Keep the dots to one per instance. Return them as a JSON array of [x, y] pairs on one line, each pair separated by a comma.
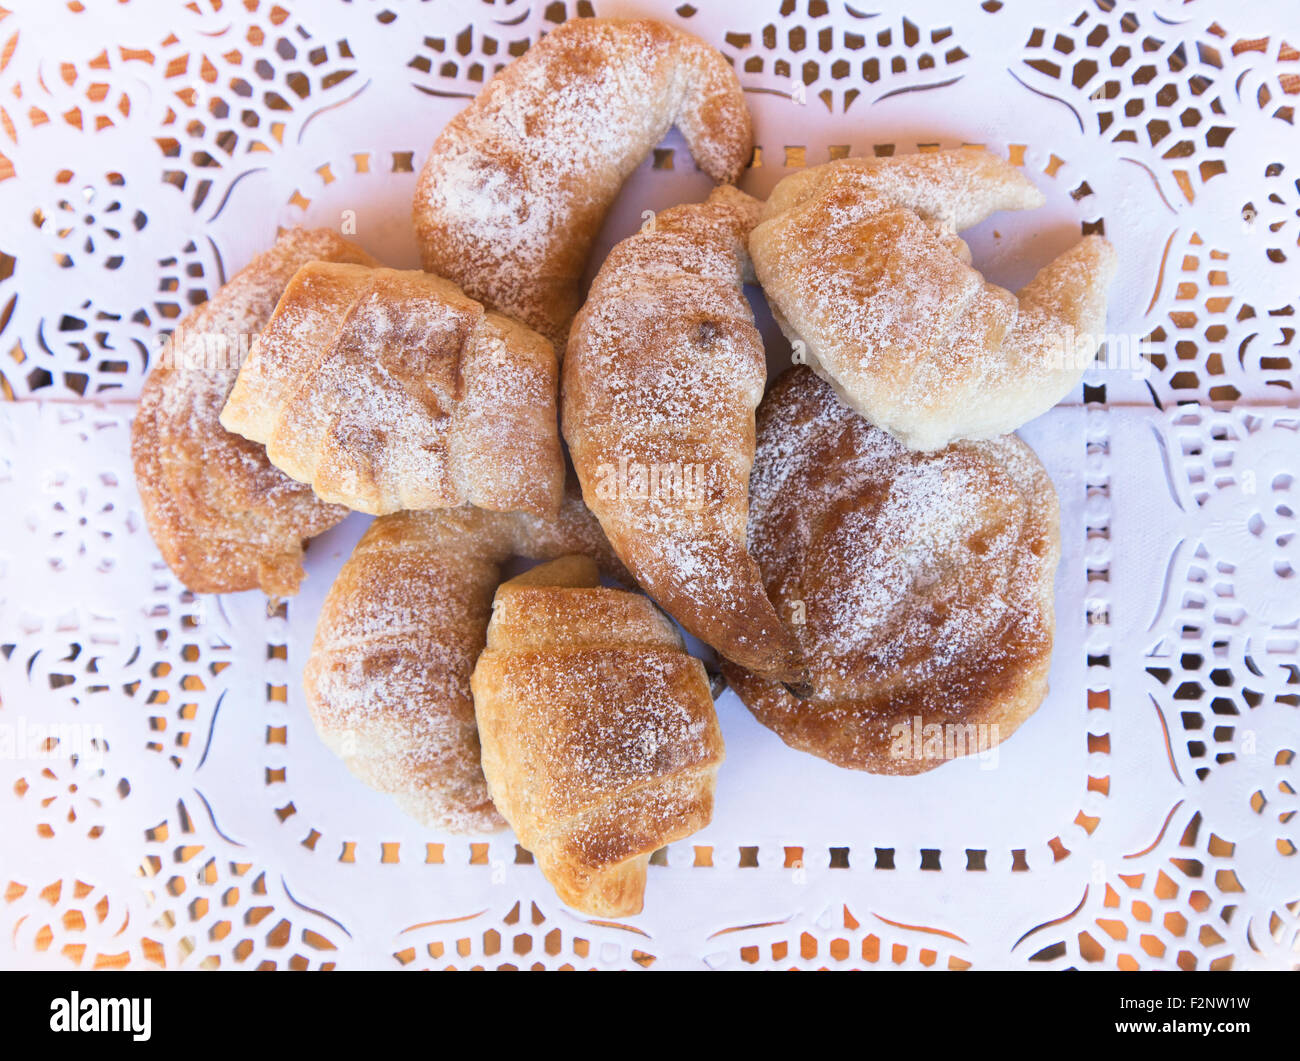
[[163, 798]]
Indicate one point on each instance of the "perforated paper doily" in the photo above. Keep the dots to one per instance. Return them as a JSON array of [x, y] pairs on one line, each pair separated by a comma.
[[187, 816]]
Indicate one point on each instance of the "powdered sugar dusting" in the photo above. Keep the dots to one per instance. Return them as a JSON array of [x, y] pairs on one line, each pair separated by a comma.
[[601, 746], [517, 185], [919, 578], [224, 518], [664, 370], [388, 679], [861, 261], [390, 390]]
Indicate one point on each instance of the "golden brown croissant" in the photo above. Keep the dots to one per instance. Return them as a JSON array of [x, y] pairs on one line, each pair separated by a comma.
[[388, 676], [517, 185], [600, 742], [860, 262], [921, 584], [389, 390], [663, 373], [223, 517]]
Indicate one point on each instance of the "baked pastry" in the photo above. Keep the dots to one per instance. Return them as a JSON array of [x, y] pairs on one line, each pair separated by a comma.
[[663, 373], [517, 185], [222, 516], [388, 390], [861, 263], [600, 742], [922, 584], [387, 680]]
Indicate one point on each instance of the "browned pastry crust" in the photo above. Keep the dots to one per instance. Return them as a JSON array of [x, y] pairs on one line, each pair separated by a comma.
[[860, 261], [663, 373], [222, 516], [389, 390], [923, 582], [517, 185], [600, 742], [387, 681]]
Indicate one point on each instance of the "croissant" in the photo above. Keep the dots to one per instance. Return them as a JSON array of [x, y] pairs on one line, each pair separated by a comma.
[[860, 262], [661, 379], [516, 188], [222, 516], [600, 742], [387, 680], [921, 584], [389, 390]]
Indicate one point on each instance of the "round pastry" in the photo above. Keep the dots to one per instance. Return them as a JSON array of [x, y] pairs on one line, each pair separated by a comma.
[[919, 584]]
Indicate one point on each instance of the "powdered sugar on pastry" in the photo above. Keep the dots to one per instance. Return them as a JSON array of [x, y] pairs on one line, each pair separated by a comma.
[[389, 390], [387, 680], [860, 259], [223, 517], [517, 185], [922, 582], [664, 371], [600, 741]]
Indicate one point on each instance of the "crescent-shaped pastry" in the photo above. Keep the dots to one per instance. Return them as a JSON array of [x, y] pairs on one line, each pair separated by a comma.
[[663, 373], [861, 263], [920, 584], [389, 390], [387, 680], [517, 185], [222, 516], [600, 741]]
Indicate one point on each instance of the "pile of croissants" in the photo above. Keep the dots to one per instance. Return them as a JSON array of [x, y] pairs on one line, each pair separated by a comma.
[[866, 548]]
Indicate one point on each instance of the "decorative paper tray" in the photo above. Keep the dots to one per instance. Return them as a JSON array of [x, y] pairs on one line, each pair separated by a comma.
[[184, 813]]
